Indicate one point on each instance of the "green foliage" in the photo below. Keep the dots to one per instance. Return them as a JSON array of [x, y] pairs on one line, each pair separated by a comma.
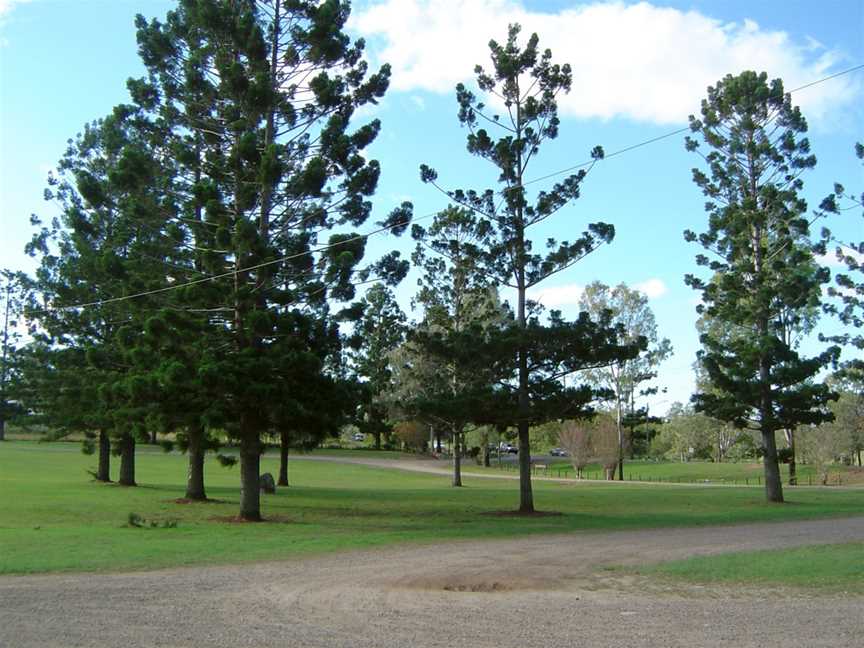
[[849, 288], [12, 299], [527, 83], [379, 331], [687, 434], [238, 157], [763, 279]]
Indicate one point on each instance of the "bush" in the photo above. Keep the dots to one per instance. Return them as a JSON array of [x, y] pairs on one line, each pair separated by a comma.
[[412, 435]]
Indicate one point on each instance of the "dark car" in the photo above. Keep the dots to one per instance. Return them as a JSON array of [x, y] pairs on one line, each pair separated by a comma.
[[558, 452]]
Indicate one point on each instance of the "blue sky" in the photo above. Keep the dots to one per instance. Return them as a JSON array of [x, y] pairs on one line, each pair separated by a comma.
[[639, 70]]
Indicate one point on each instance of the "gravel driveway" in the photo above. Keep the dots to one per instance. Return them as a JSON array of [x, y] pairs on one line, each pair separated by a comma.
[[540, 591]]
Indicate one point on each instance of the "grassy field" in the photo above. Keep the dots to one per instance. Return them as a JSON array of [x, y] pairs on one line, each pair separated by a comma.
[[53, 518], [835, 568], [701, 471]]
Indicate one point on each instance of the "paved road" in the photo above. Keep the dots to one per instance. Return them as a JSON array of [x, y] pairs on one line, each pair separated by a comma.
[[540, 591]]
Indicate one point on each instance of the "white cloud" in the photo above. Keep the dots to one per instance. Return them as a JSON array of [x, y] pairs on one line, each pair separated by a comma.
[[557, 296], [637, 61], [7, 5], [569, 294], [652, 288], [830, 258], [418, 101]]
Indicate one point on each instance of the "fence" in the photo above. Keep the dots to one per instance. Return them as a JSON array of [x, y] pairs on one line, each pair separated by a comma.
[[568, 472]]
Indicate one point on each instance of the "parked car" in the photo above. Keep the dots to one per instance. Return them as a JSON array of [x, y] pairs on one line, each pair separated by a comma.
[[558, 452], [358, 436], [508, 448]]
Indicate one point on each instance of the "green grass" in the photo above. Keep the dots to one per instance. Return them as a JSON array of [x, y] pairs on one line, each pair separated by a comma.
[[701, 471], [53, 518], [837, 568]]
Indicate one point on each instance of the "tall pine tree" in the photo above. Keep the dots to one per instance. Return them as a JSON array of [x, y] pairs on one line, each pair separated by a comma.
[[256, 100], [759, 250], [524, 85]]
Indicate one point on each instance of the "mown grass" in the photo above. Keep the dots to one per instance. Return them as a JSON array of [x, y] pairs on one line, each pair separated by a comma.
[[834, 568], [704, 471], [53, 518]]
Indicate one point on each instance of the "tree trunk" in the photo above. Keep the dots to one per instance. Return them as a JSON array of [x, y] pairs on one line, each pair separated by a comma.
[[284, 440], [195, 475], [377, 436], [526, 495], [610, 473], [859, 457], [773, 485], [457, 459], [103, 467], [2, 426], [790, 439], [250, 493], [620, 429], [127, 460]]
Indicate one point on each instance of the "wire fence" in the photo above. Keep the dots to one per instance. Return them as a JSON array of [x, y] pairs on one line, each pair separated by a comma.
[[559, 471]]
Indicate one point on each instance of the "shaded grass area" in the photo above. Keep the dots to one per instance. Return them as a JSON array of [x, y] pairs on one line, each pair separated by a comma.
[[53, 518], [834, 568]]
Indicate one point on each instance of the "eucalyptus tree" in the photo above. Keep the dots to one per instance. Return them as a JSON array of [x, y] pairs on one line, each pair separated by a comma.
[[629, 309], [523, 86], [256, 100], [763, 279]]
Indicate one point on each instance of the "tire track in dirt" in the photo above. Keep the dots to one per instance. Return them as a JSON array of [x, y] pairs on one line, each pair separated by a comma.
[[537, 591]]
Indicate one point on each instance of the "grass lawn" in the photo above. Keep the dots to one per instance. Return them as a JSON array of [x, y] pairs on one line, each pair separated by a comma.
[[836, 568], [700, 471], [53, 518]]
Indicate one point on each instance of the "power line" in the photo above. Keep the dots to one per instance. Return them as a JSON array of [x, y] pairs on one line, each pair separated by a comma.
[[386, 228], [679, 131], [237, 271]]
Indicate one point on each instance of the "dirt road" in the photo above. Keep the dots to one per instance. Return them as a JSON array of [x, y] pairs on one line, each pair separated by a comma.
[[540, 591]]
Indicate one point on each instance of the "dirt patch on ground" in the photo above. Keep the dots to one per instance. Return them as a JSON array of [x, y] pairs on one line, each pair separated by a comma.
[[186, 500], [537, 591], [234, 519], [523, 514], [475, 583]]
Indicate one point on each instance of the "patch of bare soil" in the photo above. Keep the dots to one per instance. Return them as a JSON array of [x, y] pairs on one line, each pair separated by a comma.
[[523, 514], [186, 500], [236, 519], [476, 583]]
